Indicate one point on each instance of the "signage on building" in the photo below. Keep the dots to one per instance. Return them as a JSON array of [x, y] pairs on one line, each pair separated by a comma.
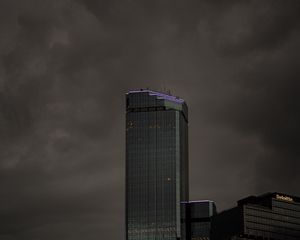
[[284, 198]]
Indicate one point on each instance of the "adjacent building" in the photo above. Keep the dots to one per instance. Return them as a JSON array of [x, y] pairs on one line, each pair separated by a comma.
[[272, 216], [156, 165], [197, 219]]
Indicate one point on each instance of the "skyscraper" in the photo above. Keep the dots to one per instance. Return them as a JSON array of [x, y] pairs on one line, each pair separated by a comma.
[[156, 165]]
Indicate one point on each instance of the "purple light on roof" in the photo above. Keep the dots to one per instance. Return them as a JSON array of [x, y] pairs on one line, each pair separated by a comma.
[[199, 201], [162, 96]]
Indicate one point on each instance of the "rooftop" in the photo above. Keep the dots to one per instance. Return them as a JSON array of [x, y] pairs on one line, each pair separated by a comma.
[[270, 195], [159, 95]]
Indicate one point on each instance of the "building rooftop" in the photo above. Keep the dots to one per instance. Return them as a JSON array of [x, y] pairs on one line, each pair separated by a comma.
[[159, 95], [199, 201], [268, 196]]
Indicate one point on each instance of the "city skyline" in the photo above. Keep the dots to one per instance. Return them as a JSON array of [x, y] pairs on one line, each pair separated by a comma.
[[65, 67]]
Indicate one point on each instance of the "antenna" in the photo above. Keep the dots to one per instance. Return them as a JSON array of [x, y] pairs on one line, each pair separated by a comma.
[[164, 90]]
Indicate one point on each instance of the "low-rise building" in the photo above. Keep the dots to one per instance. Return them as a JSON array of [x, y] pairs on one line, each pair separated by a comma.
[[272, 216]]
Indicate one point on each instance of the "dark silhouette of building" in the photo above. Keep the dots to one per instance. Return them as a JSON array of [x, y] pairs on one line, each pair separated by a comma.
[[156, 165], [272, 216], [197, 219]]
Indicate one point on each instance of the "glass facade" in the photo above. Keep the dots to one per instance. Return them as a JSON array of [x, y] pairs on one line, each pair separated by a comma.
[[280, 221], [198, 216], [201, 213], [156, 165]]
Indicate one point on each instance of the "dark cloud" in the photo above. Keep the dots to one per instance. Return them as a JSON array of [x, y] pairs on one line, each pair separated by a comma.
[[64, 69], [254, 26]]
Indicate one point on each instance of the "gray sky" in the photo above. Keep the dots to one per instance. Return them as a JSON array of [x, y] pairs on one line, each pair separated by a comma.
[[65, 67]]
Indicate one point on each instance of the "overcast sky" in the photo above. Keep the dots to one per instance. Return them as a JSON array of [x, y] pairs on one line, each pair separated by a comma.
[[65, 67]]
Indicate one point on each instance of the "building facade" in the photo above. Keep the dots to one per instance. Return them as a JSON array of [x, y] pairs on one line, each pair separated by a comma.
[[197, 219], [156, 165], [272, 216]]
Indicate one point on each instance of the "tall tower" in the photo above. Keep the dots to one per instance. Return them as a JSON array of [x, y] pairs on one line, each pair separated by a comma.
[[156, 165]]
